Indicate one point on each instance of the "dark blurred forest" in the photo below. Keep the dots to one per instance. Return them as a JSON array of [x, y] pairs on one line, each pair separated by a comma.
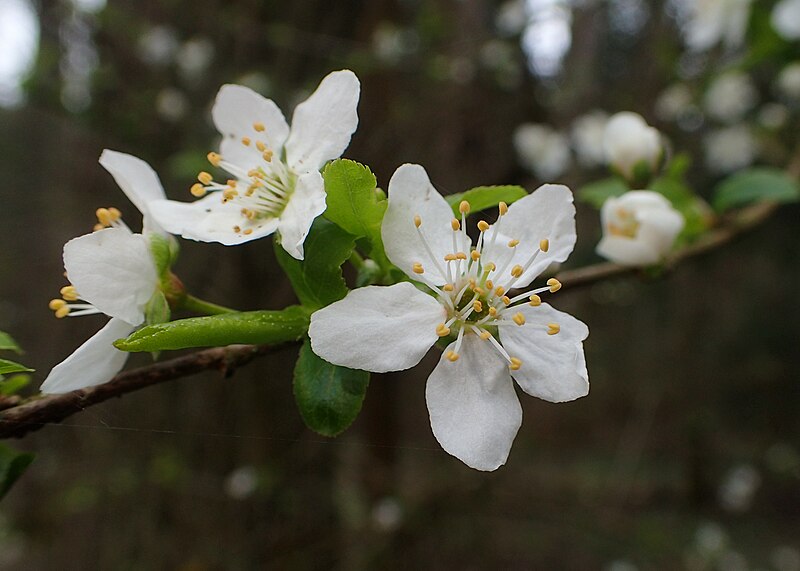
[[685, 455]]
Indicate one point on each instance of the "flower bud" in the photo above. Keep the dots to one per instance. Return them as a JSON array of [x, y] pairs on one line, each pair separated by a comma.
[[639, 228], [632, 148]]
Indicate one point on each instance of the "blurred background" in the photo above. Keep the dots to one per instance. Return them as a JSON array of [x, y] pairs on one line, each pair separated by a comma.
[[686, 454]]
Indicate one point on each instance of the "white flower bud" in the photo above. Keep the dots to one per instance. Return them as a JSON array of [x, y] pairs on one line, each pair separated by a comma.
[[639, 228], [629, 141]]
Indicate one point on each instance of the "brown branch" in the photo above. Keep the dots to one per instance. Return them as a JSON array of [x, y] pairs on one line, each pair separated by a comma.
[[39, 411]]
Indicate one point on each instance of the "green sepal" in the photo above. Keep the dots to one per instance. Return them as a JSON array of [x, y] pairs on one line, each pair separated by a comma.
[[7, 343], [317, 279], [696, 212], [596, 193], [12, 466], [13, 385], [329, 397], [256, 327], [754, 185], [160, 250], [355, 204], [8, 367], [157, 309], [484, 197]]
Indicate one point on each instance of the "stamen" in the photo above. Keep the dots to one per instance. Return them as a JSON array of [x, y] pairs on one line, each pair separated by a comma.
[[205, 177], [489, 284], [56, 304], [505, 299], [477, 306], [62, 312], [519, 319], [261, 146], [461, 256], [248, 231], [442, 330], [535, 301], [417, 268], [450, 258], [464, 207], [500, 290], [246, 141], [493, 311], [417, 220], [553, 328], [198, 190], [483, 226], [214, 158], [69, 293], [517, 270], [513, 243], [554, 284], [451, 356], [259, 127], [515, 364], [455, 225], [475, 255], [267, 155], [503, 208], [448, 287], [544, 245]]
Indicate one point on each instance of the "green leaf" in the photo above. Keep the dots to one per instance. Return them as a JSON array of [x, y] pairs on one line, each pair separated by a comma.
[[317, 279], [355, 203], [7, 367], [329, 397], [753, 185], [8, 344], [485, 197], [255, 327], [12, 465], [13, 385], [596, 193]]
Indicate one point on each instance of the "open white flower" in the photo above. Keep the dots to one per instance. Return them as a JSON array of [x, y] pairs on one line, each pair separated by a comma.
[[786, 19], [730, 96], [629, 141], [497, 336], [639, 228], [716, 21], [276, 184], [111, 271]]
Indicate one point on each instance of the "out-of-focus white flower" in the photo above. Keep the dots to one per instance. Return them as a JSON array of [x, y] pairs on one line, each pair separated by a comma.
[[773, 116], [785, 558], [194, 57], [730, 148], [512, 17], [588, 132], [639, 228], [629, 141], [542, 150], [158, 45], [716, 21], [740, 485], [789, 81], [786, 19], [730, 96], [171, 104], [674, 102], [241, 483], [710, 539]]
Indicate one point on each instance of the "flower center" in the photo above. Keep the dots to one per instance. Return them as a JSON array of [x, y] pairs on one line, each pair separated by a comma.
[[624, 225], [261, 190], [475, 296]]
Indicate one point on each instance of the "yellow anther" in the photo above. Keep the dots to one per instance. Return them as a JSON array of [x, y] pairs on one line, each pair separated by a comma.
[[417, 220], [62, 311], [232, 182], [198, 190], [519, 319], [450, 257], [442, 330], [536, 301], [554, 284], [251, 190], [261, 146], [484, 335], [69, 293], [205, 177], [553, 328], [515, 364], [259, 127], [229, 194], [517, 270], [506, 300], [115, 213], [499, 291], [493, 311], [451, 356], [477, 305], [246, 141], [483, 226], [513, 243], [214, 158], [479, 290], [464, 207], [97, 227], [490, 267], [248, 231], [489, 284], [249, 214], [267, 155], [237, 229], [461, 256], [475, 255], [544, 245], [503, 208], [56, 304], [455, 225], [417, 268], [104, 216], [448, 287]]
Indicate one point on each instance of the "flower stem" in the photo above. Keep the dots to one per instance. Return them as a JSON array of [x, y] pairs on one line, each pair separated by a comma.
[[198, 305]]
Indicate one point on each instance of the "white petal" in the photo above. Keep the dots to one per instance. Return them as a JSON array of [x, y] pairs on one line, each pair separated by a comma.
[[377, 328], [236, 110], [475, 413], [306, 203], [627, 251], [209, 220], [547, 213], [553, 366], [323, 124], [93, 363], [137, 180], [412, 194], [113, 270]]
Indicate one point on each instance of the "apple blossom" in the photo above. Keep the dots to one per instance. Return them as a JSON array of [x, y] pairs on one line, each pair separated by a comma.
[[276, 184], [630, 144], [639, 228], [493, 335]]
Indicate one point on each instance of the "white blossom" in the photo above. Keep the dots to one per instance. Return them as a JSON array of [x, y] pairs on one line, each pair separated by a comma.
[[276, 184], [674, 102], [788, 82], [588, 132], [730, 148], [639, 228], [716, 21], [730, 96], [786, 19], [542, 150], [463, 293], [629, 141]]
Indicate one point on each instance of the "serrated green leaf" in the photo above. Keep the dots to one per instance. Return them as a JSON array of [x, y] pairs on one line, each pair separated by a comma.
[[329, 397], [484, 197], [754, 185], [596, 193], [255, 327], [7, 343], [8, 367], [317, 279], [12, 466], [13, 385], [355, 203]]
